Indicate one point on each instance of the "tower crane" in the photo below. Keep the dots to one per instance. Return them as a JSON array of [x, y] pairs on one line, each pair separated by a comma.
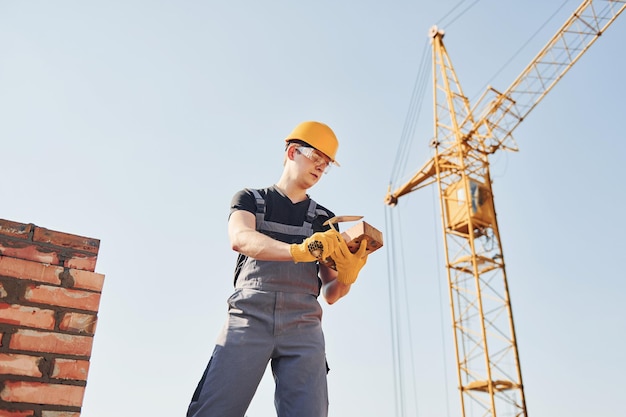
[[488, 366]]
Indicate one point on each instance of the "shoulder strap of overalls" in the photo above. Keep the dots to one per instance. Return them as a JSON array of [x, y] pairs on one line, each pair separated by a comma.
[[305, 230]]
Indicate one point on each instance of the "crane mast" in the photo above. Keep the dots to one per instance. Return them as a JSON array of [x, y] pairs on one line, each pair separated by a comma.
[[488, 366]]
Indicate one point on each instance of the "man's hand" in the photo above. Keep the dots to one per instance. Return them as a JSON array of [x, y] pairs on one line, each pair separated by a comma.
[[319, 246], [349, 264]]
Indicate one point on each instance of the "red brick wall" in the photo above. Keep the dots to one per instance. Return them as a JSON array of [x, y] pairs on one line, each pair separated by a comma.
[[49, 298]]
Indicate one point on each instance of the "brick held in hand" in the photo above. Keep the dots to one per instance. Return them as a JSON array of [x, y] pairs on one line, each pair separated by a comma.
[[353, 237]]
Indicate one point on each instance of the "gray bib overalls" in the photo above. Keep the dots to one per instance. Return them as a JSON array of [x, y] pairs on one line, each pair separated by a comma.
[[273, 315]]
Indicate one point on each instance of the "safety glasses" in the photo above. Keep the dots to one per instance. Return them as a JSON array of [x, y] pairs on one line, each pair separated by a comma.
[[316, 157]]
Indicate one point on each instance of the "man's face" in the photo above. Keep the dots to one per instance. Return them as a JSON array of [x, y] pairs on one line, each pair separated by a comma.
[[311, 164]]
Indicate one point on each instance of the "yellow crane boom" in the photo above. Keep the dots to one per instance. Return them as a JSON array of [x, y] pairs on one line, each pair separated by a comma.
[[488, 368], [503, 112]]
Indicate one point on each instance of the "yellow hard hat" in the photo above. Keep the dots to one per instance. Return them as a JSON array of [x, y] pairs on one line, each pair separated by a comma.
[[319, 136]]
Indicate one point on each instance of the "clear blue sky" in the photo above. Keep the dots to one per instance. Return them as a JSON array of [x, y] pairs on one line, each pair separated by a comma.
[[136, 121]]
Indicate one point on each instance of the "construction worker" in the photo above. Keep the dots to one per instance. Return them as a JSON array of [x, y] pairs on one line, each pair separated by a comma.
[[273, 314]]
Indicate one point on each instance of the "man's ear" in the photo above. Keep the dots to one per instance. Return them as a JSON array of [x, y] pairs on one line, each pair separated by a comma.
[[291, 151]]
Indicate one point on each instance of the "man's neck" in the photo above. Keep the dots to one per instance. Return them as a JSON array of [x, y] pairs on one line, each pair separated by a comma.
[[294, 193]]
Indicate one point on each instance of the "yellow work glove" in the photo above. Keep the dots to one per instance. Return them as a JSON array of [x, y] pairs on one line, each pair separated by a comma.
[[349, 264], [319, 246]]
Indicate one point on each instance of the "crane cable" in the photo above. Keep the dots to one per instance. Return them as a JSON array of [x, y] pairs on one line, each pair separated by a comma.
[[412, 116], [417, 100], [521, 48], [458, 15], [396, 273]]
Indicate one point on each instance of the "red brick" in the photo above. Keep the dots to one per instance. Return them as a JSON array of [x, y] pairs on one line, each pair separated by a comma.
[[50, 413], [22, 250], [21, 413], [82, 262], [26, 316], [42, 393], [18, 268], [14, 364], [50, 342], [15, 229], [66, 240], [64, 297], [70, 369], [87, 280], [77, 322]]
